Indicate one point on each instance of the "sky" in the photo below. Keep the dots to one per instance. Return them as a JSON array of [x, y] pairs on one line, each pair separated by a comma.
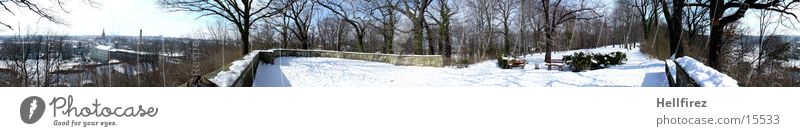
[[117, 17]]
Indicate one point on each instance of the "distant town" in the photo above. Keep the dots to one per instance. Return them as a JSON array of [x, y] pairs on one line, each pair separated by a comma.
[[93, 60]]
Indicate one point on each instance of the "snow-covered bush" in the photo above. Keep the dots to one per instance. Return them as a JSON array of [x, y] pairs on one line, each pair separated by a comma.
[[617, 58], [580, 61], [566, 58], [601, 60], [503, 61]]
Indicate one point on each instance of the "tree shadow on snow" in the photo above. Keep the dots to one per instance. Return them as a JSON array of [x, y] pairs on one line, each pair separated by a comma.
[[654, 79], [269, 75]]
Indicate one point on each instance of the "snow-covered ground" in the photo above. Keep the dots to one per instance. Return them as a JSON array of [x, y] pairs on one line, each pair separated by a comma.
[[639, 70]]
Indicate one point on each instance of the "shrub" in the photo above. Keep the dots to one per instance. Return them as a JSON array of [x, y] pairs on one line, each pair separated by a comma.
[[588, 61], [580, 61], [567, 58], [600, 61], [503, 61], [617, 58]]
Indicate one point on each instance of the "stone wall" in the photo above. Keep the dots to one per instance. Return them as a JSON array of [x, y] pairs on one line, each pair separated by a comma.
[[401, 60], [247, 75], [682, 78]]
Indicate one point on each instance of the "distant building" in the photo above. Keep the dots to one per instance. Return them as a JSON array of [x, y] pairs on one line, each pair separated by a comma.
[[100, 53]]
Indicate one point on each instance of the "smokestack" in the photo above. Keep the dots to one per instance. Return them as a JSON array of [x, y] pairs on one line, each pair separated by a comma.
[[140, 36]]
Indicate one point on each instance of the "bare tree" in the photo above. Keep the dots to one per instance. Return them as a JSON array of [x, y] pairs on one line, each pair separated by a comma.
[[221, 34], [384, 12], [673, 12], [647, 13], [527, 22], [721, 18], [352, 12], [696, 20], [431, 37], [263, 37], [767, 27], [482, 13], [622, 19], [301, 13], [446, 13], [332, 32], [557, 12], [243, 14], [414, 10], [506, 8]]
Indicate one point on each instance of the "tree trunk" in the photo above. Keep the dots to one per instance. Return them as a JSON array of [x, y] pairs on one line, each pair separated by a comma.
[[444, 37], [674, 22], [431, 42], [548, 47], [418, 35], [360, 42], [245, 41], [506, 35], [548, 34], [714, 42], [388, 38], [490, 35]]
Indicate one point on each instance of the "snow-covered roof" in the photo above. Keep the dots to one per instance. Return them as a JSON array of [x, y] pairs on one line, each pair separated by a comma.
[[103, 47], [705, 76]]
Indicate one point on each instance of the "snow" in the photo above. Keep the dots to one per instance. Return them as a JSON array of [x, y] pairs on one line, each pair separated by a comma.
[[270, 75], [705, 76], [639, 70], [111, 49], [330, 51], [172, 54], [103, 47], [793, 63], [226, 78]]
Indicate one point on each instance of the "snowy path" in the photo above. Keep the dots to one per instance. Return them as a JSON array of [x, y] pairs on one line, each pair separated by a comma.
[[639, 70]]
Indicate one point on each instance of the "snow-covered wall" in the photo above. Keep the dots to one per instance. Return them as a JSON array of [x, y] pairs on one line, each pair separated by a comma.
[[705, 76], [227, 77], [240, 72], [402, 60]]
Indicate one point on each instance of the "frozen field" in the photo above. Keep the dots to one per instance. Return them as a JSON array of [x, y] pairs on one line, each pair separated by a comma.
[[639, 70]]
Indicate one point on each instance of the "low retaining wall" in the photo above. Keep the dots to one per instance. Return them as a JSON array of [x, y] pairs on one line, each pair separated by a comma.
[[401, 60], [245, 79], [682, 78]]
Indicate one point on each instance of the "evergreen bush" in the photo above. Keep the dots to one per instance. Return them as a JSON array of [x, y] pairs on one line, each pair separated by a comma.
[[580, 61]]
